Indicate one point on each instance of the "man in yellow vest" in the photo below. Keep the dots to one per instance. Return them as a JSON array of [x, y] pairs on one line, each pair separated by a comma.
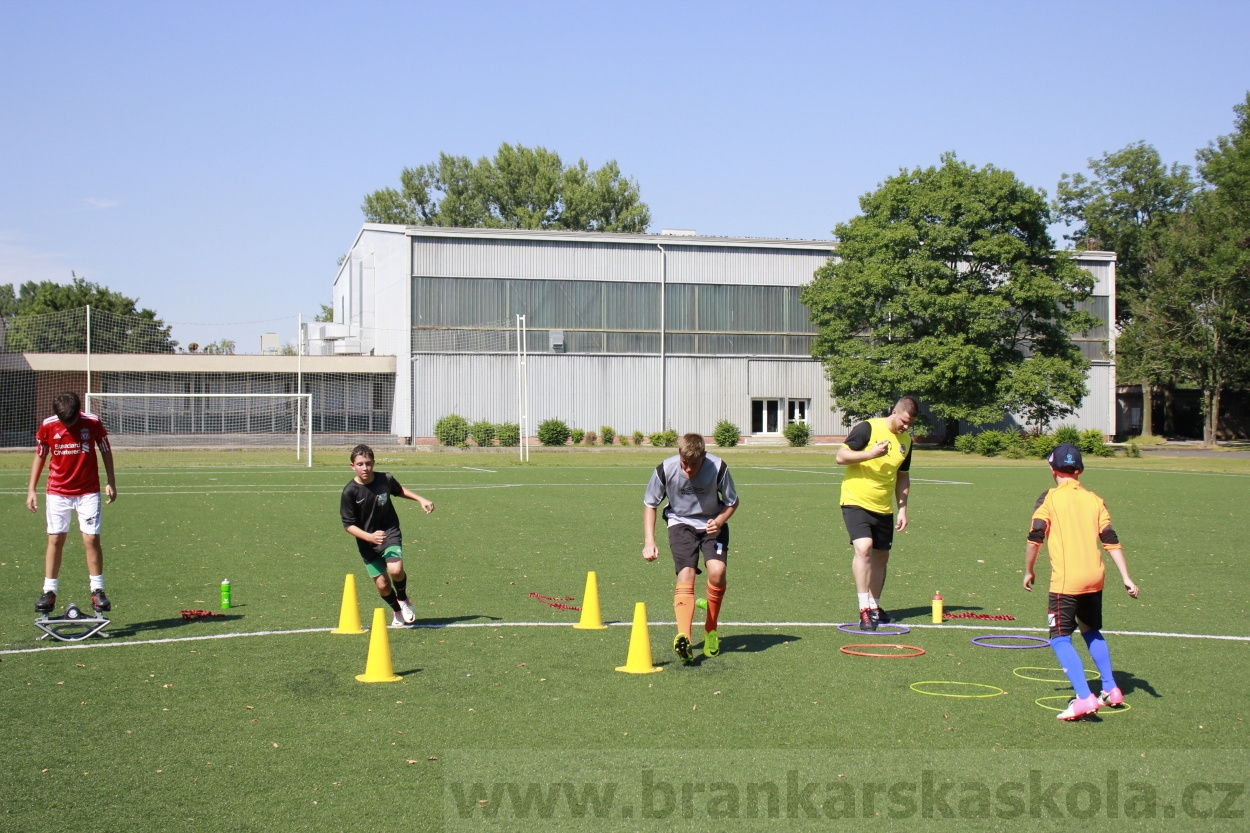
[[877, 456]]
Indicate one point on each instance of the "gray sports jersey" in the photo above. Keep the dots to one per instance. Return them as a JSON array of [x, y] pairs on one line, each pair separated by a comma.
[[694, 501]]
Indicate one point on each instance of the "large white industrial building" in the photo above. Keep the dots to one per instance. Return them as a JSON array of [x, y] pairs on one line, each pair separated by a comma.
[[634, 331]]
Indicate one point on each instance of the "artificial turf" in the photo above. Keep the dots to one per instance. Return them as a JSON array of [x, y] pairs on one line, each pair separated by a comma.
[[272, 732]]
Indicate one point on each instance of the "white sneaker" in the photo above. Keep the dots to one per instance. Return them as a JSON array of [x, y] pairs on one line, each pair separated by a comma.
[[405, 610], [396, 622]]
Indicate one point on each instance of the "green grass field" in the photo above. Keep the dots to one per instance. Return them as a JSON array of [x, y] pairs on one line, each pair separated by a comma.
[[508, 718]]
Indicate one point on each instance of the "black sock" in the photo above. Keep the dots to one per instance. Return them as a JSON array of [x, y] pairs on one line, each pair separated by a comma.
[[390, 599], [401, 588]]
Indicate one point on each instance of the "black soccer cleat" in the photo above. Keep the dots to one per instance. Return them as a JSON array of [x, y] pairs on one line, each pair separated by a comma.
[[99, 602], [681, 647], [866, 621], [46, 603], [881, 617]]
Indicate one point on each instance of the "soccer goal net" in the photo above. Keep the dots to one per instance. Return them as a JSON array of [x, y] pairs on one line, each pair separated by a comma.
[[271, 422]]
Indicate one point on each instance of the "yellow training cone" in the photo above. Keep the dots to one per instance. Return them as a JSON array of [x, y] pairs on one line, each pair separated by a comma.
[[349, 613], [592, 620], [378, 667], [639, 659]]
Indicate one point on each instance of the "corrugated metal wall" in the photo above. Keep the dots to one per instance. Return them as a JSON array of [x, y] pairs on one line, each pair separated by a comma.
[[458, 257], [620, 391]]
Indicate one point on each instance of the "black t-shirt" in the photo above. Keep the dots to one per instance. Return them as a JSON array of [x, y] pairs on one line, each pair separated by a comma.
[[369, 506]]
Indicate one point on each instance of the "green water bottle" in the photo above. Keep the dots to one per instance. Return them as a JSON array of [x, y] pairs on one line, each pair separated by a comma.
[[225, 594]]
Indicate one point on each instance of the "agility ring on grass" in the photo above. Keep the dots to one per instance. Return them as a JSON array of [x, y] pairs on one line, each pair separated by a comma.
[[851, 649], [1034, 641], [1062, 677], [995, 691], [1104, 710], [853, 627]]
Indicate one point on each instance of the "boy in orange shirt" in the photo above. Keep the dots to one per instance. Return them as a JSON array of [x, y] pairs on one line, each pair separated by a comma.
[[1073, 521]]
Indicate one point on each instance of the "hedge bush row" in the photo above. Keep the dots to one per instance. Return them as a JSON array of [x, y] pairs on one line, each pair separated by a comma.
[[455, 430], [1019, 446]]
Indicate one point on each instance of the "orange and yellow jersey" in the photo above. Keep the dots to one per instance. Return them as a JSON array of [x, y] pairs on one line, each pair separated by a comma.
[[1073, 521], [870, 484]]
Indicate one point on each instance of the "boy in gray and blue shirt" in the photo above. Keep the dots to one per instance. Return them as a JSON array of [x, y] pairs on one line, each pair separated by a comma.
[[701, 498]]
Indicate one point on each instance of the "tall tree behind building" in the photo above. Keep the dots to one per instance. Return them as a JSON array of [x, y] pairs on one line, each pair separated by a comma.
[[529, 188]]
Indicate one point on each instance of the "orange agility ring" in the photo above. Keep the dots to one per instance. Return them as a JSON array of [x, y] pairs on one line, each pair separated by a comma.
[[850, 649]]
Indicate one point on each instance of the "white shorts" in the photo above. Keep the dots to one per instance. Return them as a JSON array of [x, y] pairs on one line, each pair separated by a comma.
[[87, 506]]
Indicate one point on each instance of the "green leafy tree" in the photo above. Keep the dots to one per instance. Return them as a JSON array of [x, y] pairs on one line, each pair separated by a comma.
[[117, 325], [326, 315], [948, 287], [1128, 200], [520, 187], [1204, 276]]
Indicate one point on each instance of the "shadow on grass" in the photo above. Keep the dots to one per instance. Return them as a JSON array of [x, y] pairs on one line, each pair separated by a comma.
[[1130, 683], [753, 642], [446, 621], [135, 628]]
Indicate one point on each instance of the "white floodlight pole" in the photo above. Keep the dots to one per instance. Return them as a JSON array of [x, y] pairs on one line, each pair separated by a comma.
[[522, 371], [299, 384], [88, 397]]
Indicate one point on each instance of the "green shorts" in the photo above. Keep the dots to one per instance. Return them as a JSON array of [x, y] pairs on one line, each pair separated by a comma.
[[376, 566]]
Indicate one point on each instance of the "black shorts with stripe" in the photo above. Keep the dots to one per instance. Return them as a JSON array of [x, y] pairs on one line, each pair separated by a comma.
[[1063, 611], [861, 523], [686, 543]]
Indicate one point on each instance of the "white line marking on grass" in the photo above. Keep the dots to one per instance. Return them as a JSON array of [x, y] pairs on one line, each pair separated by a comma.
[[418, 626], [941, 482], [471, 468], [797, 471]]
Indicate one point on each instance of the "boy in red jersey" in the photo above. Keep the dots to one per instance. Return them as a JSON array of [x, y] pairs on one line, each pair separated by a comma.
[[1073, 521], [72, 439]]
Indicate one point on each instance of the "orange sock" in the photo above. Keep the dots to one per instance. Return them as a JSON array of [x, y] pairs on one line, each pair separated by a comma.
[[714, 596], [683, 606]]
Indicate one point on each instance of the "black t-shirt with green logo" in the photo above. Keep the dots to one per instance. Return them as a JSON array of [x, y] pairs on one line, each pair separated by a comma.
[[371, 507]]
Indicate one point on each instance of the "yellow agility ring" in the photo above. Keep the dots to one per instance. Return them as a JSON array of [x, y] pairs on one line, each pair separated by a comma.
[[996, 691], [1104, 710], [1089, 675]]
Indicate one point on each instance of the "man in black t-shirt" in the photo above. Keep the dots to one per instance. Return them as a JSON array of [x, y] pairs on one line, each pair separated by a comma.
[[369, 516]]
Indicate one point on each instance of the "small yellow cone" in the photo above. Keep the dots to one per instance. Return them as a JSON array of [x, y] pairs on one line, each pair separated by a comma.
[[592, 619], [349, 613], [639, 659], [378, 667]]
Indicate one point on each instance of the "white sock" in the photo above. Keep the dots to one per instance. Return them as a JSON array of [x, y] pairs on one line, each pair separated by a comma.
[[864, 599], [51, 585], [873, 603], [97, 582]]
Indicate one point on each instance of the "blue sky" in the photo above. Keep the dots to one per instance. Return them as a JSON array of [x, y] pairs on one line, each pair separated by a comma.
[[210, 159]]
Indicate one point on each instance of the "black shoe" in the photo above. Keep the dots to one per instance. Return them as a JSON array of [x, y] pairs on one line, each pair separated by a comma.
[[100, 602], [46, 603], [866, 620], [881, 617], [681, 646]]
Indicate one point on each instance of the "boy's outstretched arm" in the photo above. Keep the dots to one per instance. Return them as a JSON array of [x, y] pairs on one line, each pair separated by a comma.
[[427, 505], [1117, 555]]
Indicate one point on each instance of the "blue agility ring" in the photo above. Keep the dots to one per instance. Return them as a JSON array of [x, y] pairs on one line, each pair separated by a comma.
[[1037, 641], [853, 627]]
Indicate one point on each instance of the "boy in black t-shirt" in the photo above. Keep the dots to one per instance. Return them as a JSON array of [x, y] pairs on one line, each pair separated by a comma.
[[369, 516]]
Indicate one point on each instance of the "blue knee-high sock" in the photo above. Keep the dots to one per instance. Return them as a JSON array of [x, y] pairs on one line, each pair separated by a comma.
[[1102, 657], [1072, 665]]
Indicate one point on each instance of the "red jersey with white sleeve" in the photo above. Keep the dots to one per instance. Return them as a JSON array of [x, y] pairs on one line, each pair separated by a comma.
[[73, 469]]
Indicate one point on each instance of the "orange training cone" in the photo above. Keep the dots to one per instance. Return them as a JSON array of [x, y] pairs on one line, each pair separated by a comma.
[[349, 613], [378, 667], [591, 620], [639, 659]]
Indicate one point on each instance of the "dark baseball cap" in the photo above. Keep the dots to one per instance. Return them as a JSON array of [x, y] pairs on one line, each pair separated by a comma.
[[1066, 458]]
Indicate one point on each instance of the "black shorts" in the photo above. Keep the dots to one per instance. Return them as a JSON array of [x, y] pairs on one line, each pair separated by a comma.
[[686, 542], [861, 523], [1063, 612], [372, 552]]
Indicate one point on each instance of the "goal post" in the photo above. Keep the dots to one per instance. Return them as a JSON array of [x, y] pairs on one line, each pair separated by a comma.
[[277, 422]]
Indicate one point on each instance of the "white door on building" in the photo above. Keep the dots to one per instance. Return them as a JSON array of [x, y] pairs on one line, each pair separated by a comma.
[[766, 416]]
